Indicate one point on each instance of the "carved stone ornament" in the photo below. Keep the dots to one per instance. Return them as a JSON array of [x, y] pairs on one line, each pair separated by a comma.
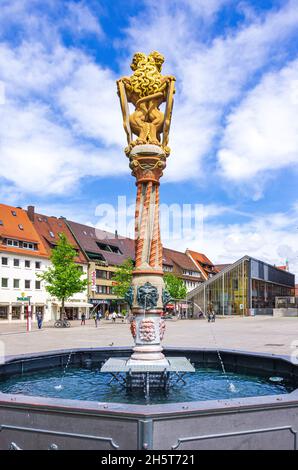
[[147, 296], [162, 327], [133, 328], [166, 297], [147, 330], [128, 296]]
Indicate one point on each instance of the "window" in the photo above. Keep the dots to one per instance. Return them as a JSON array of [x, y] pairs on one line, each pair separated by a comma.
[[28, 246], [102, 274], [12, 242], [16, 312], [27, 263], [4, 282], [37, 285], [110, 248], [51, 234], [16, 283], [21, 227], [102, 289], [1, 222], [37, 264], [27, 284], [4, 261], [16, 262], [14, 213], [3, 312]]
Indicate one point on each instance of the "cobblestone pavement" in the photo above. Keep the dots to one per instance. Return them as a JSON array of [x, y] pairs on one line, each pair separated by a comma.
[[262, 334]]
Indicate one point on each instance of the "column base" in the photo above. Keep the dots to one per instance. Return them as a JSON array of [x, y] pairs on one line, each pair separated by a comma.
[[147, 353]]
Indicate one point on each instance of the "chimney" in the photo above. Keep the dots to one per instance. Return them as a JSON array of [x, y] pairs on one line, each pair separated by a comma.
[[116, 233], [30, 212]]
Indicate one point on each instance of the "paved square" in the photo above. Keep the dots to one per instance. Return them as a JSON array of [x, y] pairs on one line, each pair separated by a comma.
[[256, 334]]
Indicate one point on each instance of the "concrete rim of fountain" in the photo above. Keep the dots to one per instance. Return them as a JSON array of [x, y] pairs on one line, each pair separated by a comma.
[[280, 365]]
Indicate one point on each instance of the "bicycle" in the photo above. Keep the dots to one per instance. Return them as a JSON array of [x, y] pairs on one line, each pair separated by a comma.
[[62, 324]]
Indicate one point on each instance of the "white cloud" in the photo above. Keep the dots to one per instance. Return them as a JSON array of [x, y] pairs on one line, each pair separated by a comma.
[[40, 156], [210, 76], [262, 132], [270, 237], [65, 91], [90, 101], [81, 20]]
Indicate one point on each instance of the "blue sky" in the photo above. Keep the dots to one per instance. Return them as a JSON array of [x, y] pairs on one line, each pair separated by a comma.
[[234, 135]]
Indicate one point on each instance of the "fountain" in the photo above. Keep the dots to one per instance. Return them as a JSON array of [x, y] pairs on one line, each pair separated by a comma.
[[147, 89], [148, 398]]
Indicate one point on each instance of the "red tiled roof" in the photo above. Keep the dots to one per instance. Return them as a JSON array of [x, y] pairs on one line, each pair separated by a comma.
[[181, 259], [49, 228], [200, 257], [202, 262], [88, 237], [10, 228], [220, 267]]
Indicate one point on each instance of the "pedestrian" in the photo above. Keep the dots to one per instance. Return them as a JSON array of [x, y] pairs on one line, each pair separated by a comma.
[[114, 316], [83, 319], [97, 318], [39, 320]]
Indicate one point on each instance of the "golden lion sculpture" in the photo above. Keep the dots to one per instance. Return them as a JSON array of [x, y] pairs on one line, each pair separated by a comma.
[[147, 89]]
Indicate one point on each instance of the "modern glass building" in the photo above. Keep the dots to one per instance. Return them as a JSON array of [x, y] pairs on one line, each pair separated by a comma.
[[246, 287]]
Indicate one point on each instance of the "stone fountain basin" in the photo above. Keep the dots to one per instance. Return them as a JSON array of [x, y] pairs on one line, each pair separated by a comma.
[[268, 422]]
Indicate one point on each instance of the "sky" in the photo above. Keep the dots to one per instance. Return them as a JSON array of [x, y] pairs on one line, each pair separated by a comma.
[[234, 134]]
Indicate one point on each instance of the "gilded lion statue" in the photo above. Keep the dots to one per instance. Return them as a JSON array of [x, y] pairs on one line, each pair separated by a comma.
[[147, 89]]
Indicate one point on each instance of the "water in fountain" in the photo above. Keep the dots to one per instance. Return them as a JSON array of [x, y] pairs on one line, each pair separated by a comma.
[[60, 386], [231, 386]]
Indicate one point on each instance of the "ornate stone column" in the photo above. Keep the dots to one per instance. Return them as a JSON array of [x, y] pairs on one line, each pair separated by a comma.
[[147, 89], [147, 293]]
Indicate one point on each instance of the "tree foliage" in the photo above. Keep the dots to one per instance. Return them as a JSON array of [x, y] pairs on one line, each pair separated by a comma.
[[64, 278], [175, 286], [123, 278]]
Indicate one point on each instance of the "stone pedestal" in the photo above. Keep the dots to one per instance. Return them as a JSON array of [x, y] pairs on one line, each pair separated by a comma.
[[147, 295]]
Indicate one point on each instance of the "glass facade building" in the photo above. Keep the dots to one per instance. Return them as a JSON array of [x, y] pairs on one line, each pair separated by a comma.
[[246, 287]]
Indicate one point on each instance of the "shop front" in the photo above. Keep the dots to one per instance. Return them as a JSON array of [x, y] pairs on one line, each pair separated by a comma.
[[73, 310]]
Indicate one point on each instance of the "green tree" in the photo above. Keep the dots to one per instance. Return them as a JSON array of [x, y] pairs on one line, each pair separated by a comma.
[[175, 286], [123, 278], [64, 277]]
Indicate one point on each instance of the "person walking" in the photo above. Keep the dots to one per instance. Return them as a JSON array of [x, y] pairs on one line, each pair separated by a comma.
[[39, 320], [97, 318], [114, 316], [83, 319]]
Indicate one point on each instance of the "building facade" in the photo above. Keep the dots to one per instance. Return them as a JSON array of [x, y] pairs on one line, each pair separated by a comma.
[[204, 265], [105, 251], [183, 267], [48, 229], [26, 243], [247, 287], [23, 257]]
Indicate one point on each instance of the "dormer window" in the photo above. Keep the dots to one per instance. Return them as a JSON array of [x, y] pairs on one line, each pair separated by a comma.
[[12, 242], [28, 246]]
